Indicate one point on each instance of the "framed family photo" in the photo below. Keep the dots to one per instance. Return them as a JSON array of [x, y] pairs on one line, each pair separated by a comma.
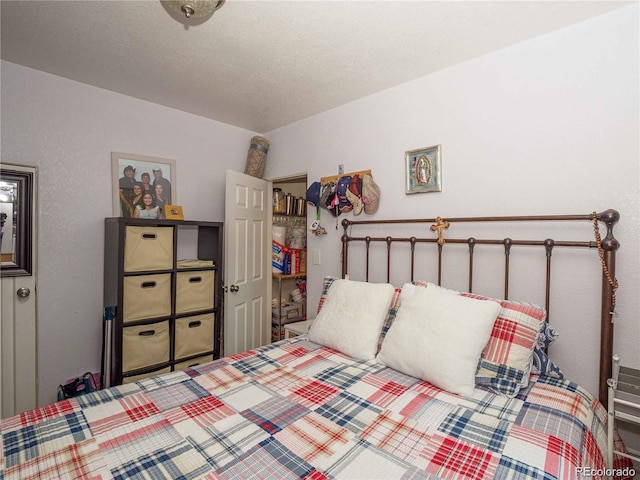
[[142, 185], [423, 170]]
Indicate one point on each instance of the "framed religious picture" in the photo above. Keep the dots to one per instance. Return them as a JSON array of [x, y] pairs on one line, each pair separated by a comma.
[[423, 170], [142, 185]]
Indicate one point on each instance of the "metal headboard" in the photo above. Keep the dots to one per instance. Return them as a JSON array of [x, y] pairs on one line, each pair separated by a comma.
[[606, 247]]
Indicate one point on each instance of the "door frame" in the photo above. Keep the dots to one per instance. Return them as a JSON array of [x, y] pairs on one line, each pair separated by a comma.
[[295, 178], [18, 329]]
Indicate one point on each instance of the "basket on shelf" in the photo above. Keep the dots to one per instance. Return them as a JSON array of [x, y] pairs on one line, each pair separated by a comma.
[[257, 157]]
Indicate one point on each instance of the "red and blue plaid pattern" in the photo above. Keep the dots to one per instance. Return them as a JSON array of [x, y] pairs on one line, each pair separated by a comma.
[[298, 410]]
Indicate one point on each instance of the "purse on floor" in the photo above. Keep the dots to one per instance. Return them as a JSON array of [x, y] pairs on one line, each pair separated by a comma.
[[78, 386]]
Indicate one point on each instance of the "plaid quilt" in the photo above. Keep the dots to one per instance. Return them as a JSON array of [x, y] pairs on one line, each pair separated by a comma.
[[295, 409]]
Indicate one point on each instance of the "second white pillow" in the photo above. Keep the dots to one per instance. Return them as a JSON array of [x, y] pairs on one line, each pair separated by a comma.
[[438, 336]]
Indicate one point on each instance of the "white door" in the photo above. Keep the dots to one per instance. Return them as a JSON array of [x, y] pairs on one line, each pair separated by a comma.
[[247, 264], [18, 360]]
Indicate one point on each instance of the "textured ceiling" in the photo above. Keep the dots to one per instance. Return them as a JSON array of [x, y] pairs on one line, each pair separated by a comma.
[[263, 64]]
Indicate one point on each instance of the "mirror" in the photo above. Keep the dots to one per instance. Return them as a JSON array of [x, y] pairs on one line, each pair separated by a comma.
[[16, 219]]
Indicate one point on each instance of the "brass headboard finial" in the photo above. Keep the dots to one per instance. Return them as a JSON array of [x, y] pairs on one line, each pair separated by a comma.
[[440, 225]]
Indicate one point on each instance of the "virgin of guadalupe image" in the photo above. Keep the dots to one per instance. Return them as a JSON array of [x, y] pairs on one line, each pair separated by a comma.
[[422, 172]]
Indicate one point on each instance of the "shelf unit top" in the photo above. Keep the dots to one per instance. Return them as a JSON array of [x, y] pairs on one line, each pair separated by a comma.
[[285, 277], [162, 222], [629, 381]]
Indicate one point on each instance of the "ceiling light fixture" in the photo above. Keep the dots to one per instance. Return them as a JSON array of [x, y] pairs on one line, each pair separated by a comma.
[[195, 8]]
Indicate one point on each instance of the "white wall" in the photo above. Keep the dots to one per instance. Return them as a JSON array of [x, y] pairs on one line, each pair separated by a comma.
[[68, 130], [548, 126]]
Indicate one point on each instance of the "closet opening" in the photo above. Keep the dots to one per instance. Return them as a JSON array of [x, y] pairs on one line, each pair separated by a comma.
[[289, 256]]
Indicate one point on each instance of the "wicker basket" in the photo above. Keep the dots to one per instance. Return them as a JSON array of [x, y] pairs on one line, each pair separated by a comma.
[[257, 157]]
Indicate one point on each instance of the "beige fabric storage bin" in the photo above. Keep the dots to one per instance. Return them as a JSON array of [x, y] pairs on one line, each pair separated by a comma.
[[142, 376], [194, 290], [145, 345], [193, 362], [194, 335], [146, 296], [148, 248]]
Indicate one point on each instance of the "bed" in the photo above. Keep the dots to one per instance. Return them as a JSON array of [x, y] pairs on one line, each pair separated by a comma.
[[318, 407]]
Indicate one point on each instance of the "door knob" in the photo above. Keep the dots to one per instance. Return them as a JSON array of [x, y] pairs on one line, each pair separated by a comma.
[[234, 288], [23, 292]]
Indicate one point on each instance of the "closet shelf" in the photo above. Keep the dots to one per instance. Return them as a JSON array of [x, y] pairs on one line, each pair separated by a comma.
[[290, 276]]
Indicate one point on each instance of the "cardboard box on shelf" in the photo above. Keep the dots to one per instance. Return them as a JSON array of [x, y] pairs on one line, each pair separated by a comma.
[[287, 311]]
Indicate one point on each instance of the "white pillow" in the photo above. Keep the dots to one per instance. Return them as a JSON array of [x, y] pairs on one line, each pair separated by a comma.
[[438, 336], [352, 317]]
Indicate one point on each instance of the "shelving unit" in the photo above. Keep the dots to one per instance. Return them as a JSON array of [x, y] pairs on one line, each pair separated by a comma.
[[291, 218], [165, 314], [279, 322], [624, 405]]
